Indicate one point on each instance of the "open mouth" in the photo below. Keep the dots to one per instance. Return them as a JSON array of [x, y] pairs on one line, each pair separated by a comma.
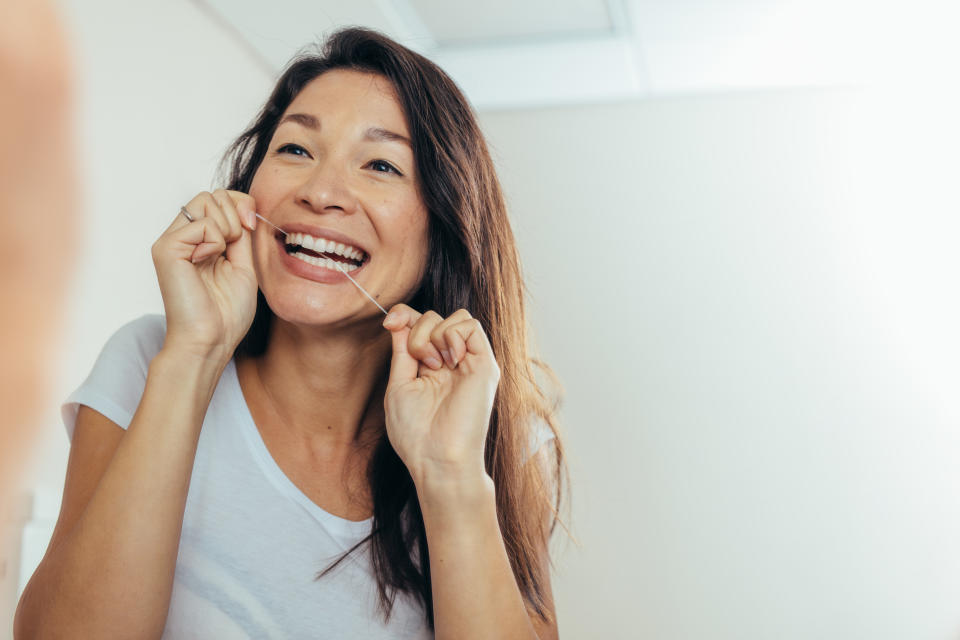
[[321, 252]]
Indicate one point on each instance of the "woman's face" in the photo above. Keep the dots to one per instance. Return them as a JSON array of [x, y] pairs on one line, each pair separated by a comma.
[[339, 169]]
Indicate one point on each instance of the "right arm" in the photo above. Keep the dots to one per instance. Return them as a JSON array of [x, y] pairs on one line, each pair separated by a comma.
[[108, 571], [109, 568]]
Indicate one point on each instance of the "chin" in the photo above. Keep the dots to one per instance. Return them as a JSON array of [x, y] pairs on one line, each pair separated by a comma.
[[319, 308]]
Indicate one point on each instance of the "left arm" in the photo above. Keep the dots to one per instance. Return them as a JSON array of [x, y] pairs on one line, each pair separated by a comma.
[[437, 420], [475, 594]]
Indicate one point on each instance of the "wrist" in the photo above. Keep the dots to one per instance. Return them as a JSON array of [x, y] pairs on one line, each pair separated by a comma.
[[191, 368], [180, 386], [202, 356], [452, 487]]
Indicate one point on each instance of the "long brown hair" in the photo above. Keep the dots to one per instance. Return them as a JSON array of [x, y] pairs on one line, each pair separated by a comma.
[[472, 264]]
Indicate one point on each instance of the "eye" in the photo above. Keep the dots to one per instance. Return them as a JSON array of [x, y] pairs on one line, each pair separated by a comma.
[[382, 166], [293, 149]]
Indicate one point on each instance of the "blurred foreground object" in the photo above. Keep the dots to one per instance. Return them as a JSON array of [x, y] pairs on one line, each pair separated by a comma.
[[38, 196]]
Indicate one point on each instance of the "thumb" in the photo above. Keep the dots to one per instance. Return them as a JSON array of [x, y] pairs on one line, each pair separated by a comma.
[[403, 366], [240, 251]]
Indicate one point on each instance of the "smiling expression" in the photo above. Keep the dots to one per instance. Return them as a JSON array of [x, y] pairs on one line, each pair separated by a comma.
[[340, 177]]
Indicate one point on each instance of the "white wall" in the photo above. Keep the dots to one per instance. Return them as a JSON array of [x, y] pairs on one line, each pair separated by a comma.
[[749, 298], [752, 301], [162, 94]]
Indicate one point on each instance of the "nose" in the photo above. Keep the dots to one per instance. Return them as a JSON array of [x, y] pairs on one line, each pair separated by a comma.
[[326, 189]]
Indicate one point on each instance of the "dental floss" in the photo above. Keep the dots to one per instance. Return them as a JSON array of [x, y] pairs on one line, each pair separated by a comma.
[[337, 264], [362, 290], [270, 223]]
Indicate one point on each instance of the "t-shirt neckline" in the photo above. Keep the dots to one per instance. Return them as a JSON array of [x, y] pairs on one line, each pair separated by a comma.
[[348, 531]]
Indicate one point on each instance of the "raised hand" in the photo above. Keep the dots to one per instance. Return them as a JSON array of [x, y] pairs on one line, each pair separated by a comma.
[[443, 380], [206, 275]]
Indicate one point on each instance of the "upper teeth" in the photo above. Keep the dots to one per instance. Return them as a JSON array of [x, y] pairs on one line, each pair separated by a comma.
[[322, 245]]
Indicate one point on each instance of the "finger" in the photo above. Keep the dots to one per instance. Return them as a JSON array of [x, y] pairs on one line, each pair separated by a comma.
[[193, 208], [469, 338], [246, 208], [438, 335], [400, 315], [240, 252], [177, 242], [213, 212], [230, 215], [211, 241], [403, 366], [182, 241], [419, 345]]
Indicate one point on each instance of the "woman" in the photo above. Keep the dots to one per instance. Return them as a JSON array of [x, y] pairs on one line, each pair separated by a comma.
[[324, 425]]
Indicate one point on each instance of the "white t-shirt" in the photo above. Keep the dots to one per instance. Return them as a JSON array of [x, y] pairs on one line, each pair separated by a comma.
[[252, 542]]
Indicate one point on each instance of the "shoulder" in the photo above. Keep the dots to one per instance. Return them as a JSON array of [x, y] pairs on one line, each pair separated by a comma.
[[130, 349], [142, 338], [116, 382]]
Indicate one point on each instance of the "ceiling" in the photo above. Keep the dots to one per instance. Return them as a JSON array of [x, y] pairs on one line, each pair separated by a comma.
[[515, 54]]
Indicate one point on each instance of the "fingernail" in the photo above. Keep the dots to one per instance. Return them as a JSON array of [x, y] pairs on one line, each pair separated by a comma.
[[447, 357], [432, 362], [252, 220], [391, 318]]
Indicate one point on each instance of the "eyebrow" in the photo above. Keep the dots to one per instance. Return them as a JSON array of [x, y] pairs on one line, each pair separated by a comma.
[[302, 119], [375, 134], [378, 134]]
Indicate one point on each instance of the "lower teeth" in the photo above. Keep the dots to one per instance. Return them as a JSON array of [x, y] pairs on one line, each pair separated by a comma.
[[329, 263]]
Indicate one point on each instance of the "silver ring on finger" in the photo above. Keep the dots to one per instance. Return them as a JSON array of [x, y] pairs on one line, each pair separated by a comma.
[[186, 214]]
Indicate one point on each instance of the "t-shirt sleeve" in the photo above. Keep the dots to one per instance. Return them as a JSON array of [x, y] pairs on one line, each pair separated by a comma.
[[115, 385], [543, 445], [540, 435]]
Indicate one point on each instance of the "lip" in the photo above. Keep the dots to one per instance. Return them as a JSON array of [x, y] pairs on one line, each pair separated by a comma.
[[312, 272]]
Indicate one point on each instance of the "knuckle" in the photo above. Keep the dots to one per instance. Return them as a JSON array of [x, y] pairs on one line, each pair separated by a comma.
[[421, 330], [239, 196], [418, 351], [416, 338]]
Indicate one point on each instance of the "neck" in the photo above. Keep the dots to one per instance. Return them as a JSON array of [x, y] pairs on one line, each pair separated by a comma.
[[325, 386]]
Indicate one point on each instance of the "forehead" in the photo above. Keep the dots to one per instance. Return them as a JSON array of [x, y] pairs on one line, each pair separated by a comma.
[[349, 94]]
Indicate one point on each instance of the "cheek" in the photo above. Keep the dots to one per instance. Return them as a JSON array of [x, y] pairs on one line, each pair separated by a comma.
[[401, 221], [417, 247], [414, 236], [265, 189], [404, 223]]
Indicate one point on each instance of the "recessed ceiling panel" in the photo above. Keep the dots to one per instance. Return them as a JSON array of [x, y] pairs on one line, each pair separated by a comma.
[[280, 29], [455, 24]]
